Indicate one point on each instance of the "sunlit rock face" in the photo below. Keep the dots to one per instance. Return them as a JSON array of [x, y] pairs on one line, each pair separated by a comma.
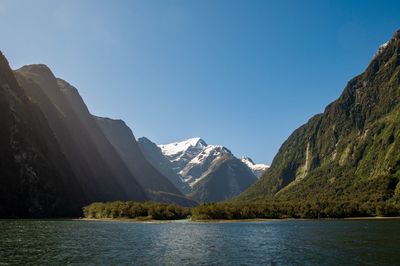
[[351, 151]]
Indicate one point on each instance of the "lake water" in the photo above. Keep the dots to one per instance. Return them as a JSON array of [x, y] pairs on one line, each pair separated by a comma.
[[301, 242]]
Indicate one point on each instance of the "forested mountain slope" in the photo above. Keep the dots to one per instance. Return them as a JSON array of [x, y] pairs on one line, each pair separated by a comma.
[[349, 152]]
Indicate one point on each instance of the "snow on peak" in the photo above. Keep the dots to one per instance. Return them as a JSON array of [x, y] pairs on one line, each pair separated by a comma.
[[247, 160], [194, 170], [191, 158], [258, 169], [181, 153], [210, 150], [182, 146], [381, 48]]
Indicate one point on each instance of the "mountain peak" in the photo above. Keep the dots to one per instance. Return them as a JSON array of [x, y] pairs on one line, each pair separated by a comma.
[[396, 35], [381, 48], [258, 169], [44, 77], [182, 146], [247, 160], [145, 140], [110, 120], [209, 153], [38, 69], [196, 141]]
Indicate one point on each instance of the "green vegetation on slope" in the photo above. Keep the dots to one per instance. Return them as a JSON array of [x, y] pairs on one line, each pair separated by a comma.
[[351, 152]]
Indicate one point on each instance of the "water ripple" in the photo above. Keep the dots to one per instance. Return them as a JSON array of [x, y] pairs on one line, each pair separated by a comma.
[[331, 242]]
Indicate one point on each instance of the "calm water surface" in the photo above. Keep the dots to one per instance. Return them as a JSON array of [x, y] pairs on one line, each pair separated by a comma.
[[329, 242]]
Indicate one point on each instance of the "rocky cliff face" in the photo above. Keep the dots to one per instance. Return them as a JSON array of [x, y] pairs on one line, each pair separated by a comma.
[[352, 150], [123, 140], [154, 155], [202, 162], [35, 178], [226, 177], [101, 173]]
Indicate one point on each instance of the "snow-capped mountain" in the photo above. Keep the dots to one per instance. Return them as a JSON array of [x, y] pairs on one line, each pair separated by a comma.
[[258, 169], [181, 153], [193, 170], [154, 155], [208, 172], [193, 157], [227, 177]]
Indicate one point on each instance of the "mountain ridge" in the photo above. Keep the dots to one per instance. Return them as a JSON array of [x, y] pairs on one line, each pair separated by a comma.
[[191, 161], [122, 138], [155, 156], [257, 168], [348, 152], [101, 173], [35, 178]]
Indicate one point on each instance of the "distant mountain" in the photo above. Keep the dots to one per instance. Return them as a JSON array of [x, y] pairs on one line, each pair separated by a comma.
[[225, 178], [258, 169], [123, 140], [101, 173], [198, 165], [181, 153], [154, 155], [36, 180], [350, 152], [189, 162]]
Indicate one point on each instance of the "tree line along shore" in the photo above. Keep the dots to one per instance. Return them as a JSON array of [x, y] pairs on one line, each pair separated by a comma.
[[237, 211]]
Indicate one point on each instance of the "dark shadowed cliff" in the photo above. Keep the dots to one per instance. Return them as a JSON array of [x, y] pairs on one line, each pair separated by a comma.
[[99, 170], [122, 138], [36, 180]]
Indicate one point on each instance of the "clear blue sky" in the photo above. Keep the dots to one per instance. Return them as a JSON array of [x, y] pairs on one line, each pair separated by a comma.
[[243, 74]]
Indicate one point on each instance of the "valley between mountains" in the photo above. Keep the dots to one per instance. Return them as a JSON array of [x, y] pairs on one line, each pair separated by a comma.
[[56, 157], [64, 158]]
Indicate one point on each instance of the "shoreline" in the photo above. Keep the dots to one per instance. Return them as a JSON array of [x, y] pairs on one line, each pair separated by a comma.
[[145, 220], [205, 221], [373, 218], [150, 221], [131, 220]]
